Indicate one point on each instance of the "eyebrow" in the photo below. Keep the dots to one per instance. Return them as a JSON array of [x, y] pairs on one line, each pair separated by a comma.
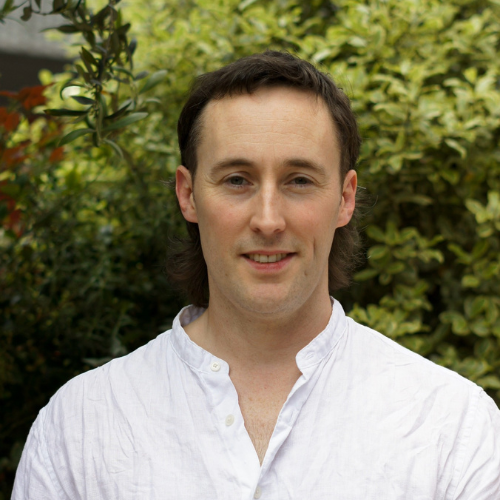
[[290, 162]]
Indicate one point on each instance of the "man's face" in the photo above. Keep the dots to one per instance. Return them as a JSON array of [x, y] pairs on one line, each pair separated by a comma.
[[267, 197]]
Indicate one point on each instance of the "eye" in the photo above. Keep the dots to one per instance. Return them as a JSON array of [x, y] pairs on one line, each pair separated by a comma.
[[236, 181], [301, 182]]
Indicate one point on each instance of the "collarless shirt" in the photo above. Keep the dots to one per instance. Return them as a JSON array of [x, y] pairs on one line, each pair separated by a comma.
[[367, 419]]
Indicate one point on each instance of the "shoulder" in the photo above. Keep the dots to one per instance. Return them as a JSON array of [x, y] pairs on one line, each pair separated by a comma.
[[407, 380], [428, 405], [119, 383], [75, 430], [377, 349]]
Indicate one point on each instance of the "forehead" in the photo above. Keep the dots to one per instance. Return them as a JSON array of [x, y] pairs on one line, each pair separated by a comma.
[[274, 120]]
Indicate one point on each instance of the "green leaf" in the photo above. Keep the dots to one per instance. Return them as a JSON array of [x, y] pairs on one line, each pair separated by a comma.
[[75, 134], [366, 274], [452, 143], [27, 11], [83, 100], [8, 7], [385, 279], [141, 75], [153, 80], [122, 30], [66, 28], [245, 4], [489, 382], [100, 16], [375, 233], [132, 46], [103, 106], [395, 268], [83, 74], [471, 74], [458, 322], [65, 112], [463, 256], [484, 231], [470, 281], [123, 108], [132, 118], [69, 83], [477, 306], [114, 146], [477, 209], [480, 328], [378, 252], [88, 57], [123, 70]]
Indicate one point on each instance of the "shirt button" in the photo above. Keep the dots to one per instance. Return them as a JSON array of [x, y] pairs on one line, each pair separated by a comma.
[[229, 420], [258, 493], [215, 367]]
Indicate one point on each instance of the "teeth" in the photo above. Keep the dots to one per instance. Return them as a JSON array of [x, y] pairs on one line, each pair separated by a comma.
[[267, 258]]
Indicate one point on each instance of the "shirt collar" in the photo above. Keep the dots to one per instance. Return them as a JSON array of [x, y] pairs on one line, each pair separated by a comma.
[[323, 344], [201, 360]]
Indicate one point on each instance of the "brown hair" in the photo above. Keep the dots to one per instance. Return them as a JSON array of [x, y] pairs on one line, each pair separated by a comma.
[[186, 266]]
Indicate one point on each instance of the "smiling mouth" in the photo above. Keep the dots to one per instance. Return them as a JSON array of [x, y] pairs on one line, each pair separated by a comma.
[[264, 259]]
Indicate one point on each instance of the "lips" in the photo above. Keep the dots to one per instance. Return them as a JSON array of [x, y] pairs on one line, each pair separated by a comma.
[[264, 259]]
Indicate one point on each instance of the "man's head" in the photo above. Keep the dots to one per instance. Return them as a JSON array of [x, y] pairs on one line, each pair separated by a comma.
[[231, 118]]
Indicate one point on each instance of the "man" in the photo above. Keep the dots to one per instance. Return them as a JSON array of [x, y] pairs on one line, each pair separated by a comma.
[[264, 388]]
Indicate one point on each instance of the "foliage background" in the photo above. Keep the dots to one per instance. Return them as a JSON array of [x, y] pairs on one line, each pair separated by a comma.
[[85, 231]]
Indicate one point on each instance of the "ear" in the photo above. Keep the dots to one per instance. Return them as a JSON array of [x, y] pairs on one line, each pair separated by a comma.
[[184, 192], [348, 202]]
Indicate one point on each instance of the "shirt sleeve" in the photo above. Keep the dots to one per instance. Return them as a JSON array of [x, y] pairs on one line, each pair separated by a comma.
[[34, 475], [480, 472]]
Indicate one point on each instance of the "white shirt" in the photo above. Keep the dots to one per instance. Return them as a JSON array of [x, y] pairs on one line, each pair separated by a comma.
[[367, 419]]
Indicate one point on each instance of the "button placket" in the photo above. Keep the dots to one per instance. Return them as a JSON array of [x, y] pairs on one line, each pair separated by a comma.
[[227, 418]]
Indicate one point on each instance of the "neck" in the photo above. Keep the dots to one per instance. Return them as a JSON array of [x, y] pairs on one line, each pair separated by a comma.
[[248, 340]]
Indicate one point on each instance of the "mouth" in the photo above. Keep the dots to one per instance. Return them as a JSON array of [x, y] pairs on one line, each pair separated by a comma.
[[264, 259], [261, 258]]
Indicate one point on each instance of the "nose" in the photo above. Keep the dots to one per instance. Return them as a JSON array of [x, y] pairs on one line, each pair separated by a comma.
[[267, 212]]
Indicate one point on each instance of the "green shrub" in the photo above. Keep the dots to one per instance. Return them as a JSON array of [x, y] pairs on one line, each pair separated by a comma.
[[425, 83], [83, 282]]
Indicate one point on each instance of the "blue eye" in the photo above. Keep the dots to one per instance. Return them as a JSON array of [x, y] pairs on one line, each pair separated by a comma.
[[301, 181], [237, 181]]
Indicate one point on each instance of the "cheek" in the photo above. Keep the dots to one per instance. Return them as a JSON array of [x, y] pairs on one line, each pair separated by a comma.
[[219, 221], [317, 224]]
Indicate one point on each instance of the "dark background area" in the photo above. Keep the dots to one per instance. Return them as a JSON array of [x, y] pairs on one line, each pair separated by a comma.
[[21, 70]]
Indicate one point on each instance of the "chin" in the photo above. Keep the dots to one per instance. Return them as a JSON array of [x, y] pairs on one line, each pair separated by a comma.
[[270, 302]]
